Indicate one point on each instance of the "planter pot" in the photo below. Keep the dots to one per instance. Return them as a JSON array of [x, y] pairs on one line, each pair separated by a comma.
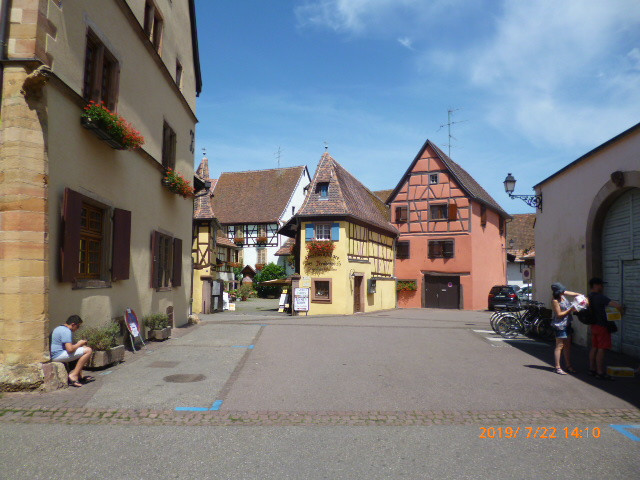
[[102, 358], [101, 133], [159, 335]]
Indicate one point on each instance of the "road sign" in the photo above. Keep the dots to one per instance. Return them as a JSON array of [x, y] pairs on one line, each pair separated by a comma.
[[526, 274]]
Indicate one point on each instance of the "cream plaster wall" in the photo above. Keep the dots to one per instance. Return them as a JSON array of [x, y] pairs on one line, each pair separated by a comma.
[[561, 226]]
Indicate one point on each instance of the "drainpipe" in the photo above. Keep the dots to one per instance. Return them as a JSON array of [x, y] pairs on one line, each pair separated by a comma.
[[4, 32]]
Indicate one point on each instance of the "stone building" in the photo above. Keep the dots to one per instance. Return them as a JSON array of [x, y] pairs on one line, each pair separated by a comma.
[[452, 235], [86, 226], [589, 225]]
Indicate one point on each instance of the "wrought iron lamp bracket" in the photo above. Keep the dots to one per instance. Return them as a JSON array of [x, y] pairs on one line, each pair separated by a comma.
[[534, 201]]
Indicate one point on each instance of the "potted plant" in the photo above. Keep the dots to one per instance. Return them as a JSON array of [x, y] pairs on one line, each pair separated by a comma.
[[262, 240], [103, 341], [232, 295], [157, 326], [320, 248], [235, 264], [177, 184], [406, 286], [238, 240], [245, 291], [110, 127], [259, 266]]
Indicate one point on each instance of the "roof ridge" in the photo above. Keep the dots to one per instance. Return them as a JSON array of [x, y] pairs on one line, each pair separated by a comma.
[[266, 169]]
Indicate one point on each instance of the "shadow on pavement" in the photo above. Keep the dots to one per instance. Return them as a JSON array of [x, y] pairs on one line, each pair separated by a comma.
[[625, 388]]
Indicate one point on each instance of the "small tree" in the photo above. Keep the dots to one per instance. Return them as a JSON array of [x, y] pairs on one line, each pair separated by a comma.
[[269, 272]]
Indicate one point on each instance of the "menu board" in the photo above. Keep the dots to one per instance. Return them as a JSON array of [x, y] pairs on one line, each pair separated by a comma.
[[301, 299]]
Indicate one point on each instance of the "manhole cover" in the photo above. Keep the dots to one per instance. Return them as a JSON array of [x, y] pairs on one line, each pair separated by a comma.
[[161, 364], [184, 378]]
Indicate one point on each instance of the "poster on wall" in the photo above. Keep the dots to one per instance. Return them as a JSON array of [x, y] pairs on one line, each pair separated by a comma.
[[301, 299]]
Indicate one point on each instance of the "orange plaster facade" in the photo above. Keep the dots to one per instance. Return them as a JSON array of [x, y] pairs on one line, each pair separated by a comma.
[[479, 258]]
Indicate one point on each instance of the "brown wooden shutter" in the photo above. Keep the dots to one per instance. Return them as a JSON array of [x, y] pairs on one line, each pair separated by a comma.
[[70, 250], [176, 274], [121, 244], [155, 259], [453, 212]]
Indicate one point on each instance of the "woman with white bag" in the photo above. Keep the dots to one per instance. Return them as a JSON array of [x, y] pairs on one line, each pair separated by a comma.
[[562, 316]]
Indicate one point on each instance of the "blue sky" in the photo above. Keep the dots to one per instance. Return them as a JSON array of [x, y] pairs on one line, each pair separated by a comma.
[[537, 84]]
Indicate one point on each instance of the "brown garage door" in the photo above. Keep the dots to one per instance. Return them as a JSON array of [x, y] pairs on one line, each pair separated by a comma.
[[441, 292]]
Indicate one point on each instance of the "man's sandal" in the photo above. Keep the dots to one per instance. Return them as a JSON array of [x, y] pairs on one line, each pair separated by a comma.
[[74, 383], [87, 379]]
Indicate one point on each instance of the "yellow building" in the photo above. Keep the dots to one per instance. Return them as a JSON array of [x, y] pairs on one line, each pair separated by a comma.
[[344, 244], [86, 225], [214, 255]]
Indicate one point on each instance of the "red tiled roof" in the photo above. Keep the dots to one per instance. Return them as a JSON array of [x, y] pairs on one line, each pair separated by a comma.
[[287, 248], [521, 231], [258, 196], [347, 197], [202, 209], [383, 194], [222, 240]]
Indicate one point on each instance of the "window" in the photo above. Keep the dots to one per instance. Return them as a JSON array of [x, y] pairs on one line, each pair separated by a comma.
[[262, 255], [91, 230], [100, 82], [441, 248], [293, 210], [153, 24], [401, 214], [322, 189], [433, 179], [89, 234], [439, 212], [166, 262], [402, 249], [179, 74], [323, 231], [483, 216], [321, 291], [168, 146]]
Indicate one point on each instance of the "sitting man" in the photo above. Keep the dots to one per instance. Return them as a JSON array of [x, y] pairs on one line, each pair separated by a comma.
[[64, 350]]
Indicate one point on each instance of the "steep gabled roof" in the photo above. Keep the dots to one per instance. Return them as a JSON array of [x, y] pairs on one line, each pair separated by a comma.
[[466, 182], [202, 209], [347, 197], [224, 241], [520, 230], [383, 194], [256, 196]]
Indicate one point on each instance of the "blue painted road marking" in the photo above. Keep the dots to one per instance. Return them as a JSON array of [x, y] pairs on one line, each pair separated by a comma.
[[623, 429], [216, 405], [243, 346], [191, 409]]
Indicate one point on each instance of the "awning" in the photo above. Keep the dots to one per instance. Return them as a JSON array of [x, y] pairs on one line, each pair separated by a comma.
[[277, 281]]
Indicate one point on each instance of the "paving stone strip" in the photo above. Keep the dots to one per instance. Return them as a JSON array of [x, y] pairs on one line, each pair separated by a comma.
[[93, 416]]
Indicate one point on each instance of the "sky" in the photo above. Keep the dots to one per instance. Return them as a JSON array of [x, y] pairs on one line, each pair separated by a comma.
[[533, 85]]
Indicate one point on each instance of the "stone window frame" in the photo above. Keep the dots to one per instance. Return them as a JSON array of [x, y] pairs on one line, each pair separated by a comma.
[[314, 296]]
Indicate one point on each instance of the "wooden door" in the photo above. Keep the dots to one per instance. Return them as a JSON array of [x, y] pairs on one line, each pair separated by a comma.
[[206, 296], [357, 294], [442, 292]]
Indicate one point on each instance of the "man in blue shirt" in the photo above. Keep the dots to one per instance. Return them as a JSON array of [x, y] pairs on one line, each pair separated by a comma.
[[64, 350]]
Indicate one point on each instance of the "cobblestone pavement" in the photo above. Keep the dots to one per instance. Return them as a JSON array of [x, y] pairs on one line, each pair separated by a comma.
[[91, 416]]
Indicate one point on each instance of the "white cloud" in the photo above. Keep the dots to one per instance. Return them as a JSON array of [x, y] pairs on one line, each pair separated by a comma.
[[406, 42]]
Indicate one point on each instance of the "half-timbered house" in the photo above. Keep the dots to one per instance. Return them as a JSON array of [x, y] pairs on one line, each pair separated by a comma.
[[451, 249], [251, 206], [344, 244]]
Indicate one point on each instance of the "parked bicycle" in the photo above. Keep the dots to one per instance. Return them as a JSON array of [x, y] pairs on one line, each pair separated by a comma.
[[532, 320]]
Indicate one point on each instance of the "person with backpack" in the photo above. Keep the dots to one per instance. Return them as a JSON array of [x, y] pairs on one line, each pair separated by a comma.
[[562, 316], [601, 328]]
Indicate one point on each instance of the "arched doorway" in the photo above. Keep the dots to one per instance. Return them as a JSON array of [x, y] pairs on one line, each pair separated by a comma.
[[620, 265]]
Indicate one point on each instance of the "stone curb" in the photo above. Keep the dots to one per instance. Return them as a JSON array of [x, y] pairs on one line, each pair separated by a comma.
[[91, 416]]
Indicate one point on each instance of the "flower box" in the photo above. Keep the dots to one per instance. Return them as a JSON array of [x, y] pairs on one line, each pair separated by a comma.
[[159, 335], [259, 266], [238, 240], [235, 264], [406, 286], [177, 184], [321, 248], [103, 358], [110, 127], [262, 240]]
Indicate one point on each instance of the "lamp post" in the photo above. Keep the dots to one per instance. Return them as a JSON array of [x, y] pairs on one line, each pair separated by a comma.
[[534, 201]]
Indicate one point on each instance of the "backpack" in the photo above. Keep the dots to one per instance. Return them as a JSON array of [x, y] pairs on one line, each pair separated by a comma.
[[586, 316]]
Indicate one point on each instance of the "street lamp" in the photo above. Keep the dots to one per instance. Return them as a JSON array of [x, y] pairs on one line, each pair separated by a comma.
[[534, 201]]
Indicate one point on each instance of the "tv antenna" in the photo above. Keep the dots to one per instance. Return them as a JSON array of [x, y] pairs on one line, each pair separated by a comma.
[[448, 125], [278, 154]]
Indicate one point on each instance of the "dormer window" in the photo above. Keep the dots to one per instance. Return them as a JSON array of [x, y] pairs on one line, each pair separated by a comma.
[[322, 189]]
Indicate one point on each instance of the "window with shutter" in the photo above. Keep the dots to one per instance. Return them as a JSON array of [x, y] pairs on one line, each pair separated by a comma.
[[101, 73], [91, 241], [401, 214], [176, 274], [439, 212], [453, 212], [441, 249], [153, 24], [323, 231], [121, 255], [168, 146], [402, 250], [162, 262]]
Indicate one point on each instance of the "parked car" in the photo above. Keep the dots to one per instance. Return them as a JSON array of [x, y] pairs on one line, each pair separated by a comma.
[[526, 293], [503, 296]]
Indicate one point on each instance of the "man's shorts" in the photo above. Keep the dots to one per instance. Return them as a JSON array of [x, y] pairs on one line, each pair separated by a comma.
[[65, 356], [600, 337]]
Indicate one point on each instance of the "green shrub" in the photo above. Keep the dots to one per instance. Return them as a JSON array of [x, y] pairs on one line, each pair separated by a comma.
[[245, 290], [269, 272], [101, 338], [156, 321]]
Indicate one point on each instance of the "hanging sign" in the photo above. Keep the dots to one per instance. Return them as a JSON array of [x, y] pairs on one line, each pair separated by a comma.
[[526, 274], [301, 299]]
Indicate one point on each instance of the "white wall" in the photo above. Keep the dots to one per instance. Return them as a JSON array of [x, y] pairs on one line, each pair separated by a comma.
[[561, 227]]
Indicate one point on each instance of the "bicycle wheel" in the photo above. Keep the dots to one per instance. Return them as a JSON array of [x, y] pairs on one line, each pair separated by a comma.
[[507, 326], [544, 329], [494, 319]]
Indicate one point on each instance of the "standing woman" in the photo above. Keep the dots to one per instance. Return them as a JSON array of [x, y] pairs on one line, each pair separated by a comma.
[[562, 317]]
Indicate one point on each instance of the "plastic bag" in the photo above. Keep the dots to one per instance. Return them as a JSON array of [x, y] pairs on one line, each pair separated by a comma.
[[580, 303]]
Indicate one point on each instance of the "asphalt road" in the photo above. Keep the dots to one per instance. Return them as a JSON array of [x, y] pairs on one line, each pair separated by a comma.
[[411, 360]]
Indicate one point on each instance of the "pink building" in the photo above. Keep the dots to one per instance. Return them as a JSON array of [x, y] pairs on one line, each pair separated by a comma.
[[451, 249]]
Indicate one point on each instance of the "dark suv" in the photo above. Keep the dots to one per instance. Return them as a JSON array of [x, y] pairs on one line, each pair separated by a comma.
[[502, 297]]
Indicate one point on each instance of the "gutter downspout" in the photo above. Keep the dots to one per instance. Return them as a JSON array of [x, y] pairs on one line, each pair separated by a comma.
[[4, 31]]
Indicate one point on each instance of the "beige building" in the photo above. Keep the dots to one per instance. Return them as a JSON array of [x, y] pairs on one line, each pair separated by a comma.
[[86, 225], [589, 226]]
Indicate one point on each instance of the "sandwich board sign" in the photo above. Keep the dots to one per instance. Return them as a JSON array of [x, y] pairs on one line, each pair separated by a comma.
[[301, 299], [131, 321]]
